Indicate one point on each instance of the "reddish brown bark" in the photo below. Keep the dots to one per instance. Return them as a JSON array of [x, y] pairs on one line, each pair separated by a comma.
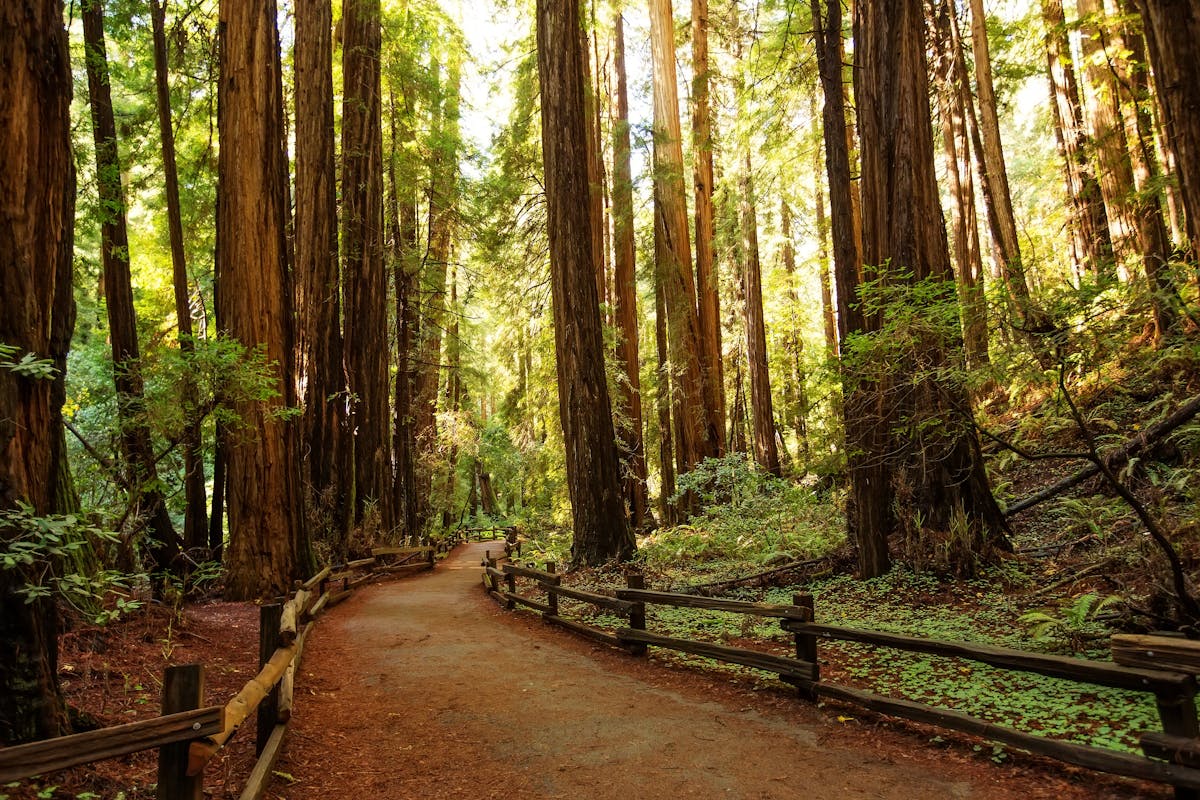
[[601, 532], [37, 313], [267, 539], [766, 453], [625, 293]]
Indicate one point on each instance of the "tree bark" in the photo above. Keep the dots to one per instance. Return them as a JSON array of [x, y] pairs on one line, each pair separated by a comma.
[[601, 532], [1173, 38], [1089, 223], [937, 473], [405, 269], [366, 322], [795, 338], [267, 539], [662, 401], [766, 454], [708, 293], [1035, 324], [195, 524], [136, 445], [320, 372], [697, 437], [442, 209], [37, 312], [953, 97], [625, 294]]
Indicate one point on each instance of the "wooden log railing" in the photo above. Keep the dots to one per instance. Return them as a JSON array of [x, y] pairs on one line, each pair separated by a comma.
[[187, 735], [1162, 666]]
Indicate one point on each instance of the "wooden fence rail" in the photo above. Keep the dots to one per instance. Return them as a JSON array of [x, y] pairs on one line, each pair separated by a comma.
[[188, 736], [1164, 668]]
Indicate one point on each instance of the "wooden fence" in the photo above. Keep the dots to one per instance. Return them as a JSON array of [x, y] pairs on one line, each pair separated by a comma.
[[1164, 667], [187, 736]]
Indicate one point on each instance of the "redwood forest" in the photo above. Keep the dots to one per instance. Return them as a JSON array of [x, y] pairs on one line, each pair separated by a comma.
[[843, 358]]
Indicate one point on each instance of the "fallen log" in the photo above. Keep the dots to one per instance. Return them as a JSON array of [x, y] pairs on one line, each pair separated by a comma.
[[1131, 448], [716, 586]]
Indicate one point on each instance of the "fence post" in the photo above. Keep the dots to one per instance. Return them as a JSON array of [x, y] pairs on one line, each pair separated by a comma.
[[1177, 712], [806, 645], [268, 641], [183, 690], [552, 597], [637, 615], [510, 582]]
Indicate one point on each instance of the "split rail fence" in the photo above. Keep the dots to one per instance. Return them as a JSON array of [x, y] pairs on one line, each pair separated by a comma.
[[1162, 666], [188, 734]]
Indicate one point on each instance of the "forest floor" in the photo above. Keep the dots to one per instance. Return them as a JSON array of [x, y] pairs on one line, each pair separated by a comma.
[[423, 687]]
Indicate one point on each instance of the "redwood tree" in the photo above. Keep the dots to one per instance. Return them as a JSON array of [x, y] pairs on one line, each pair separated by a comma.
[[37, 315], [136, 445], [926, 459], [601, 531], [625, 291], [365, 278], [319, 369], [268, 545]]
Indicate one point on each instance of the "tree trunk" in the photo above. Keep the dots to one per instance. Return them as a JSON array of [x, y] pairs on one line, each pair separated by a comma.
[[795, 338], [931, 450], [1173, 37], [136, 445], [405, 270], [320, 371], [953, 97], [442, 207], [766, 454], [365, 278], [828, 316], [869, 513], [195, 520], [662, 400], [625, 294], [1089, 223], [697, 437], [597, 510], [708, 293], [1153, 241], [1111, 150], [37, 214], [267, 538], [993, 178]]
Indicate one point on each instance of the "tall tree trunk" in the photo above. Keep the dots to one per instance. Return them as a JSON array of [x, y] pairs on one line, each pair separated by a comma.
[[708, 293], [453, 397], [320, 371], [405, 270], [953, 97], [1111, 150], [766, 454], [442, 210], [597, 510], [268, 543], [795, 337], [136, 445], [1089, 222], [662, 400], [625, 294], [595, 152], [1153, 241], [1035, 323], [195, 520], [939, 479], [698, 438], [828, 316], [37, 312], [869, 510], [1173, 38], [365, 277]]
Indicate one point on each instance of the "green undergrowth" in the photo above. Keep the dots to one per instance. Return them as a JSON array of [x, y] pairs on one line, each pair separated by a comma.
[[987, 610]]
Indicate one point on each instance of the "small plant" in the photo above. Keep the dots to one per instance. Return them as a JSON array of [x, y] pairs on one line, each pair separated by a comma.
[[1075, 623]]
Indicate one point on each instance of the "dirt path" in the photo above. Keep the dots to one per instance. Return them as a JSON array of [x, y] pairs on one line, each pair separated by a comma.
[[424, 688]]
